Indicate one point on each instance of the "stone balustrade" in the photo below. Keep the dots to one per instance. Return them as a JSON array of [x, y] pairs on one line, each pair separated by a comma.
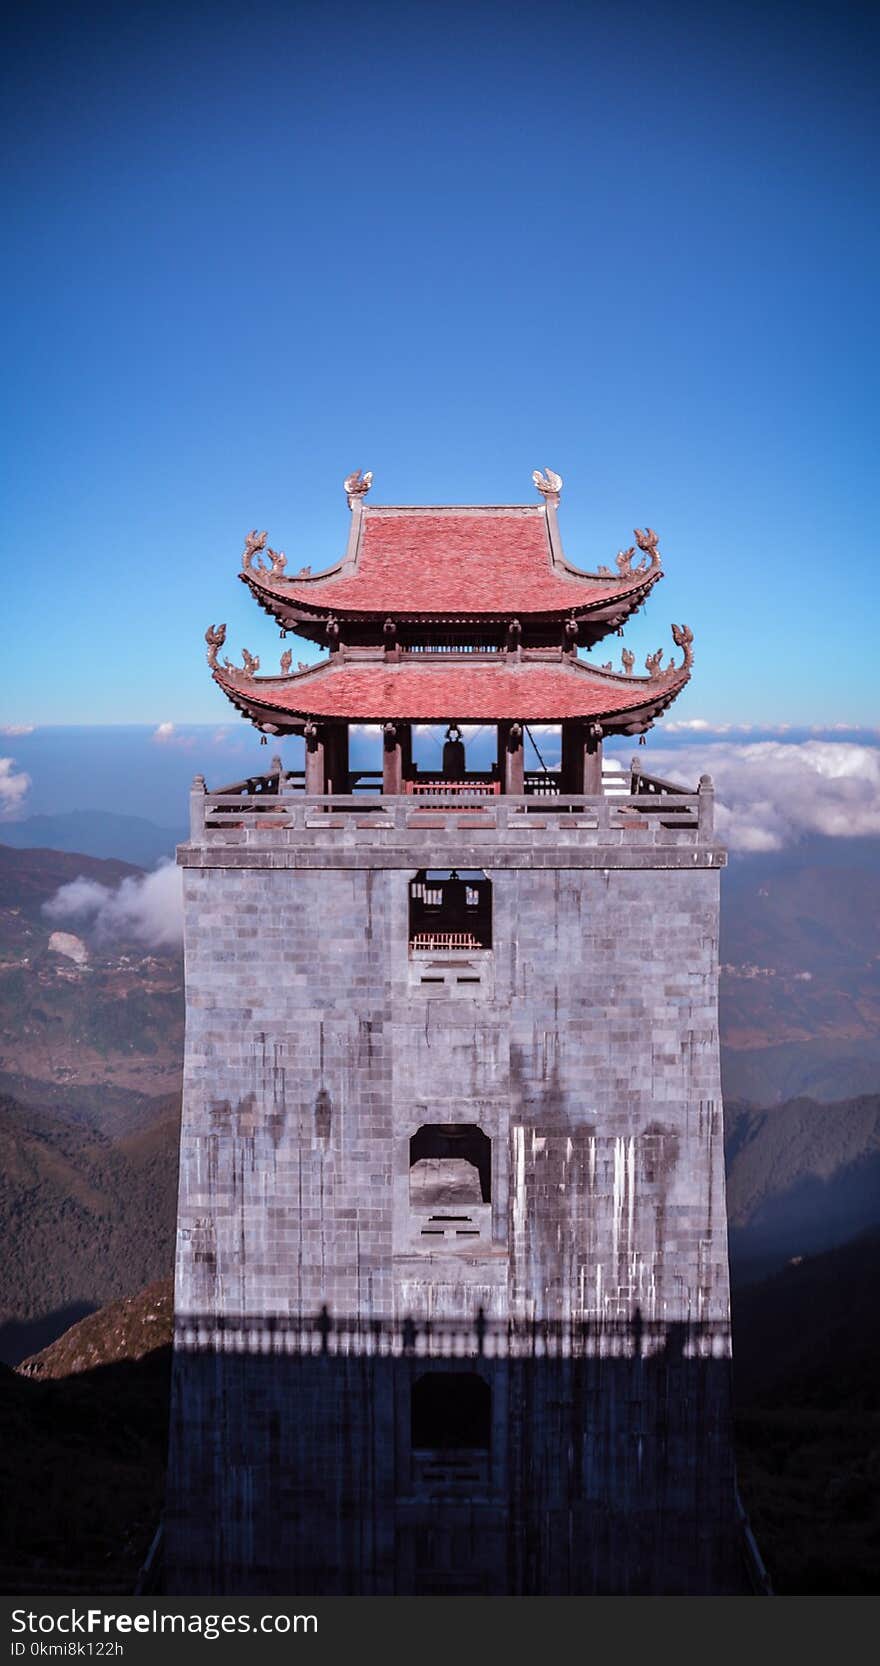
[[505, 830]]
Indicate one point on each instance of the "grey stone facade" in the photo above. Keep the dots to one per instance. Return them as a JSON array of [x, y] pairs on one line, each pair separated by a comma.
[[589, 1293]]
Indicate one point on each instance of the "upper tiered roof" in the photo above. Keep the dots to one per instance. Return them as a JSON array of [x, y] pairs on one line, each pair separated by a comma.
[[474, 565]]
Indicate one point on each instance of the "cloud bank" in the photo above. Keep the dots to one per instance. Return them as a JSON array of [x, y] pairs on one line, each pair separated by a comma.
[[771, 793], [147, 909], [13, 786]]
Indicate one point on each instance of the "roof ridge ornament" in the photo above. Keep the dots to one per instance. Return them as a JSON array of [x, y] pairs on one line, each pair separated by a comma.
[[648, 541], [683, 637], [215, 636], [254, 544], [548, 484], [357, 486]]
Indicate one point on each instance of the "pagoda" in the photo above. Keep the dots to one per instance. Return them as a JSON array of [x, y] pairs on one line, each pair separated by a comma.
[[464, 615], [452, 1304]]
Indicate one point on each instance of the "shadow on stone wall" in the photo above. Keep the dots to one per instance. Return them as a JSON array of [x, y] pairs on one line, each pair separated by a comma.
[[319, 1456]]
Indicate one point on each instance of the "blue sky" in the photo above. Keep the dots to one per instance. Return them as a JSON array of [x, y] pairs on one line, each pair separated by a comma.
[[257, 247]]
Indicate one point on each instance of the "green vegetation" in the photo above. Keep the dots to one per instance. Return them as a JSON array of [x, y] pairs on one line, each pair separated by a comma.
[[85, 1218]]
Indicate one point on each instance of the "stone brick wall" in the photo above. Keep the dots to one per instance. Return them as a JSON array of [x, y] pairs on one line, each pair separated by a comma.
[[590, 1058]]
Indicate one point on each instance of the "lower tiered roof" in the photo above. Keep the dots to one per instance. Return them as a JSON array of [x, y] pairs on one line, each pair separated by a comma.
[[539, 687]]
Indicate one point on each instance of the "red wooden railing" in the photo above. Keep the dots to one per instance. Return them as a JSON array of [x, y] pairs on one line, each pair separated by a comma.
[[445, 940]]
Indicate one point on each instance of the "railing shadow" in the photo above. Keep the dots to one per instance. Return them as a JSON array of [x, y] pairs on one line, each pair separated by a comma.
[[598, 1459]]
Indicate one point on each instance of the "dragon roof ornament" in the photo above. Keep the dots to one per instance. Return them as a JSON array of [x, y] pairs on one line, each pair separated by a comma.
[[357, 486], [548, 484]]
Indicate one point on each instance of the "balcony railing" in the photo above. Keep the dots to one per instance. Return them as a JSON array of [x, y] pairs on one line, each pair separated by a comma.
[[236, 817]]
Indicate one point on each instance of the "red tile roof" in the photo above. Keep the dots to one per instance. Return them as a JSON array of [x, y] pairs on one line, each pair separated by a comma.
[[530, 691], [462, 562]]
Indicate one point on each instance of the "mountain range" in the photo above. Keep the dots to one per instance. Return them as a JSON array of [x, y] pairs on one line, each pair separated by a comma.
[[801, 1178], [75, 1008], [800, 977], [97, 833], [86, 1217]]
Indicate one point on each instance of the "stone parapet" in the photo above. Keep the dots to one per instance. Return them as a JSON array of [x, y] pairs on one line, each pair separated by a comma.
[[565, 831]]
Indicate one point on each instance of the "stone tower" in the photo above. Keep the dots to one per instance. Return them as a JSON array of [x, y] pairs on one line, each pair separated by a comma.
[[452, 1308]]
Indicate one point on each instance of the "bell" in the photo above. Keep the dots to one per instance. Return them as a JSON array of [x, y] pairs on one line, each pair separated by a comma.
[[264, 740]]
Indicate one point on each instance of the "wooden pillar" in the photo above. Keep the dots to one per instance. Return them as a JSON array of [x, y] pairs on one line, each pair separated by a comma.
[[392, 758], [511, 758], [593, 761], [315, 778], [582, 758], [336, 758]]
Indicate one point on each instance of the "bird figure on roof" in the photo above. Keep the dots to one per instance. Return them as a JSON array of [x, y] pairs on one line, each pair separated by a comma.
[[629, 660], [286, 660], [624, 561], [683, 637], [547, 483], [279, 562], [251, 663], [215, 636], [254, 542], [357, 485], [654, 663]]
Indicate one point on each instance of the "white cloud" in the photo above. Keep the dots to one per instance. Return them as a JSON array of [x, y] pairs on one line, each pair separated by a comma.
[[13, 786], [17, 728], [770, 793], [147, 908], [167, 734]]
